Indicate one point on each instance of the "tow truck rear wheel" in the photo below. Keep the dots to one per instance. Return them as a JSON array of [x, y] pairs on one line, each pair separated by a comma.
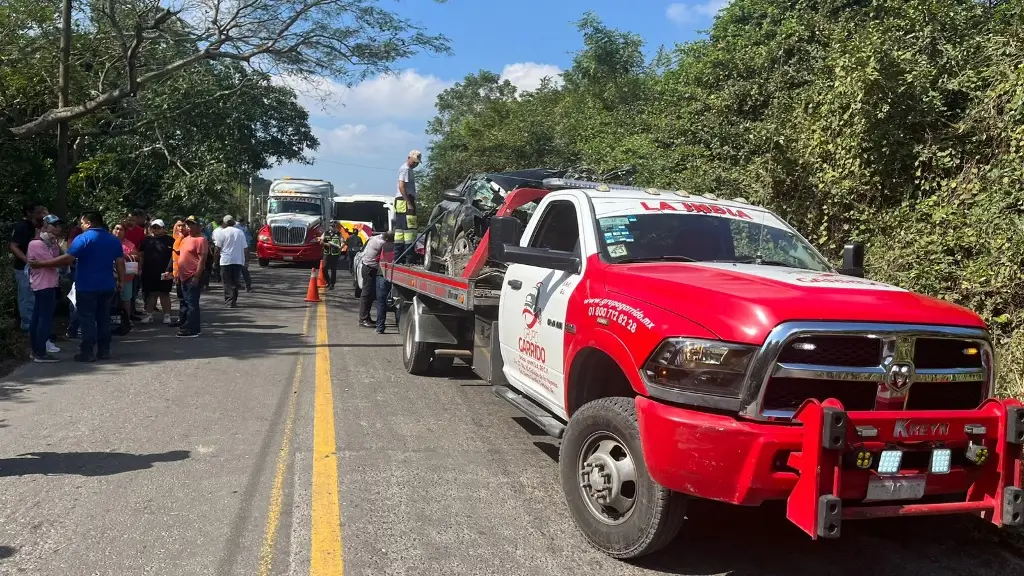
[[416, 355], [614, 502], [264, 262]]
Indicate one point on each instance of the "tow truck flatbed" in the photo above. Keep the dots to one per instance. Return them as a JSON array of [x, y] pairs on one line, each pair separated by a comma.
[[460, 291], [455, 291]]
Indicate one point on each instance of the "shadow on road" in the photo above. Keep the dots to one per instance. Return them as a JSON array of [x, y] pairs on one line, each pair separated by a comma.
[[718, 539], [7, 552], [84, 463]]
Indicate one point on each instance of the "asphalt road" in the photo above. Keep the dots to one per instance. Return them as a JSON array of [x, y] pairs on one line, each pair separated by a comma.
[[286, 440]]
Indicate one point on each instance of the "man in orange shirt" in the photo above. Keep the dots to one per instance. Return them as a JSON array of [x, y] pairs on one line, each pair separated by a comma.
[[194, 251]]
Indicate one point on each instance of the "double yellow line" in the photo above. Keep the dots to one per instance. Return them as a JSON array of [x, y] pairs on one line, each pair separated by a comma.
[[326, 552]]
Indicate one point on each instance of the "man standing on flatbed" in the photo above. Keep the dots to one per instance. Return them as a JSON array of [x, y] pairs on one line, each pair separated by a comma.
[[405, 205]]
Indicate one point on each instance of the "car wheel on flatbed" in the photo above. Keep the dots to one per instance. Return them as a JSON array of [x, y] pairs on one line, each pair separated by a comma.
[[614, 502], [428, 254]]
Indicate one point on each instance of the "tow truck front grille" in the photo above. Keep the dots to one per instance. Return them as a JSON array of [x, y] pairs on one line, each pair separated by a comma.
[[288, 235], [785, 395], [833, 351], [859, 365], [940, 354]]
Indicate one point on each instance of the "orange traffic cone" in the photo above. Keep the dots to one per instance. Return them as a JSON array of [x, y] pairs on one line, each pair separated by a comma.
[[321, 282], [313, 293]]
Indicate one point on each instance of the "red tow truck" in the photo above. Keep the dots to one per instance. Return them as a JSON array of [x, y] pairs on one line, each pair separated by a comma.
[[685, 346]]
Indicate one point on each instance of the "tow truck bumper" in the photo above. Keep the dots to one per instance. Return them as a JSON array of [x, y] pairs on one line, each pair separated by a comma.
[[274, 253], [826, 463]]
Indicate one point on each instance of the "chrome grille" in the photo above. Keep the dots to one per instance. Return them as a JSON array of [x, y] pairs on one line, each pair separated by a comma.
[[288, 235], [951, 368], [833, 351]]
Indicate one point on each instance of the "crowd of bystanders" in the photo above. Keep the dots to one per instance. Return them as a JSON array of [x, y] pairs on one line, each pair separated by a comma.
[[106, 269]]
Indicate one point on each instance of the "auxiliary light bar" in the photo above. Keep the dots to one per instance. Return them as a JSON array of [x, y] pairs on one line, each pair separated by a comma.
[[570, 184]]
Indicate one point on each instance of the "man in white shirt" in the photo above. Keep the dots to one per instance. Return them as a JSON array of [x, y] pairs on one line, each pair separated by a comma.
[[231, 246]]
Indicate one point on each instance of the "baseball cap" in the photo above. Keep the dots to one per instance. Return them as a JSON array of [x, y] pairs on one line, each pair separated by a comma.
[[51, 219], [415, 154], [157, 223], [228, 218]]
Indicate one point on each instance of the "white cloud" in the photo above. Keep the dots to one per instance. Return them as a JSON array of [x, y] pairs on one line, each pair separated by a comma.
[[382, 142], [527, 75], [405, 95], [688, 13]]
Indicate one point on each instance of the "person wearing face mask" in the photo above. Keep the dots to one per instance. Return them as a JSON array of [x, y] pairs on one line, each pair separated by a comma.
[[44, 281]]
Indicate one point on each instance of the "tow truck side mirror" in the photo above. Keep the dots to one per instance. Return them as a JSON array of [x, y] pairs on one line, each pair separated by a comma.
[[853, 260], [504, 231]]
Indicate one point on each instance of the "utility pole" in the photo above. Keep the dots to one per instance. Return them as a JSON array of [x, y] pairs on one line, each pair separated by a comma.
[[249, 215], [63, 101]]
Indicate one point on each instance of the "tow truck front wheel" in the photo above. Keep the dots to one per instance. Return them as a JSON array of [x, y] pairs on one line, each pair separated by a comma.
[[612, 499]]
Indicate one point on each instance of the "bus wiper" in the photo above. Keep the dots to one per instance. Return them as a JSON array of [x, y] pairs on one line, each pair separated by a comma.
[[638, 259]]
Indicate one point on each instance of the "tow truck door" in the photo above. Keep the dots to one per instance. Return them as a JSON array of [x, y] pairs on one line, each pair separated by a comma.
[[533, 307]]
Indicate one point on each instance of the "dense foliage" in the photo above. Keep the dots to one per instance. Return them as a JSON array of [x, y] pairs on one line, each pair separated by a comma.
[[899, 123]]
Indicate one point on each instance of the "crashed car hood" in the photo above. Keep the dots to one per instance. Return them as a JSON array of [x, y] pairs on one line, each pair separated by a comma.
[[744, 302]]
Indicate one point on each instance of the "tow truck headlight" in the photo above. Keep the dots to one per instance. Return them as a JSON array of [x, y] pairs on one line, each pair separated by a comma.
[[700, 366], [263, 238]]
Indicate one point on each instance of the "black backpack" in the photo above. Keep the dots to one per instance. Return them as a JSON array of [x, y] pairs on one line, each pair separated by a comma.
[[120, 320]]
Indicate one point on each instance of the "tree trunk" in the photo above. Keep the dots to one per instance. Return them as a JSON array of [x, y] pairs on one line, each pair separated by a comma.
[[63, 128]]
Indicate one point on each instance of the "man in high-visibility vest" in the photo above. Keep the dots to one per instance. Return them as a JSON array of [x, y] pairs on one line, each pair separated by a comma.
[[405, 205], [331, 242]]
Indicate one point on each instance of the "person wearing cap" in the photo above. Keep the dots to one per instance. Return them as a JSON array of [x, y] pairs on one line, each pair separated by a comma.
[[405, 205], [95, 250], [231, 245], [191, 264], [157, 271], [44, 280], [330, 240]]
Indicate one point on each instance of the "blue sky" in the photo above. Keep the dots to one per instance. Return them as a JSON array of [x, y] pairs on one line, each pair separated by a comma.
[[366, 131]]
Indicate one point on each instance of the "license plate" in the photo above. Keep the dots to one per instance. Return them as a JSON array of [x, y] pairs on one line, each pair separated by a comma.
[[881, 489], [289, 258]]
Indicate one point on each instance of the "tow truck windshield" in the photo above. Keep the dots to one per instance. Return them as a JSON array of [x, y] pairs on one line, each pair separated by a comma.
[[281, 206], [697, 237]]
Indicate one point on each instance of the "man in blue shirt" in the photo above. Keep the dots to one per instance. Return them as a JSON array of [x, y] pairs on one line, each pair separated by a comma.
[[99, 274]]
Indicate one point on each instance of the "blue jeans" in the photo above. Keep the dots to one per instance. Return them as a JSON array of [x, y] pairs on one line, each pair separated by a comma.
[[94, 320], [190, 306], [26, 300], [383, 289], [42, 319]]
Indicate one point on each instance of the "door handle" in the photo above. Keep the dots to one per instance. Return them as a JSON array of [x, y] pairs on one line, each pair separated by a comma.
[[515, 284]]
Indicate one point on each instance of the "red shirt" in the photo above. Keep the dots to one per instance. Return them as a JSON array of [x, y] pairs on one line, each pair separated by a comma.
[[192, 250], [135, 235]]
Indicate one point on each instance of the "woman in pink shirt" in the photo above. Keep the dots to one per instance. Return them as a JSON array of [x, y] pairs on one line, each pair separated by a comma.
[[131, 266], [44, 288]]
